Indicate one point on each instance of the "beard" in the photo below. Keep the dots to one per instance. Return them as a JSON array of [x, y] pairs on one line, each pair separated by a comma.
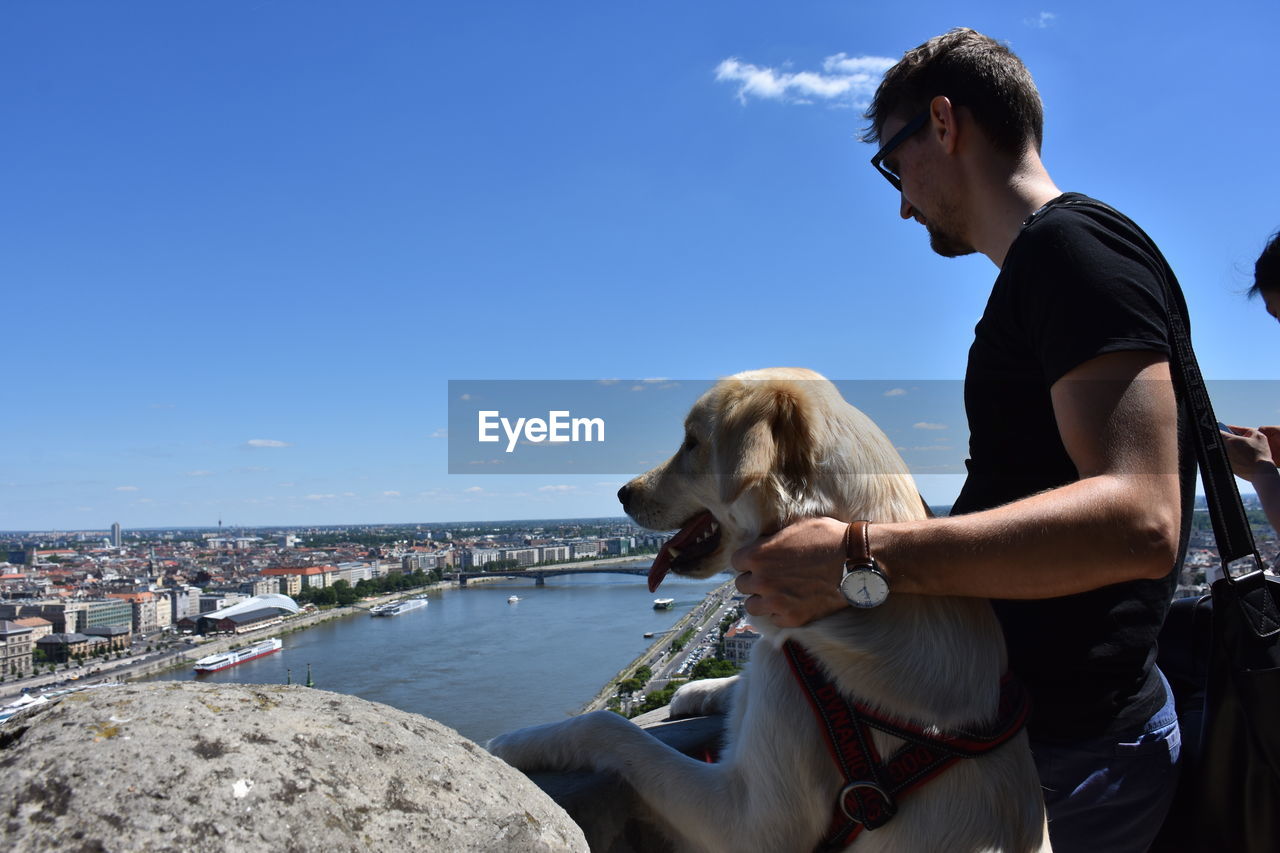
[[944, 233], [946, 244]]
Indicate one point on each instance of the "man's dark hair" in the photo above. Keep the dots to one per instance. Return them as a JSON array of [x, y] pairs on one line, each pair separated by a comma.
[[974, 71], [1266, 272]]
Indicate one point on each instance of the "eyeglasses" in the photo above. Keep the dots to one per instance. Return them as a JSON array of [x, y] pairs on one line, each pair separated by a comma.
[[900, 137]]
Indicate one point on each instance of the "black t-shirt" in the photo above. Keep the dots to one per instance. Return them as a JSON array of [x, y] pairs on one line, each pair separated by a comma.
[[1078, 281]]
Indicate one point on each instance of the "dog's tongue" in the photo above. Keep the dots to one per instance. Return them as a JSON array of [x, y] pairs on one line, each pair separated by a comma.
[[662, 562], [658, 571]]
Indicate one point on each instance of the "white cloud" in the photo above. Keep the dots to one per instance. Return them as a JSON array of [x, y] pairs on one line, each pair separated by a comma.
[[266, 442], [285, 485], [474, 490], [659, 384], [440, 433], [556, 488], [934, 447], [320, 497], [927, 425], [1043, 21], [844, 80], [126, 488], [465, 397], [348, 494], [391, 494], [199, 473], [896, 392]]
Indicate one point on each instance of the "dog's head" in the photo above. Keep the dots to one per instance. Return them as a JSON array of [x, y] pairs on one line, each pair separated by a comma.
[[762, 449]]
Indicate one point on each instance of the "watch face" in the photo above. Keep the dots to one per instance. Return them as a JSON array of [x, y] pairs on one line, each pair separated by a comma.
[[864, 587]]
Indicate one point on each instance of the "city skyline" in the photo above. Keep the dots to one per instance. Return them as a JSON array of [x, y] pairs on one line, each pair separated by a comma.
[[249, 247], [461, 526]]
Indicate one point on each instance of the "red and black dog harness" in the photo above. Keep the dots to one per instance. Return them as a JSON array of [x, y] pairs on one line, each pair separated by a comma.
[[869, 798]]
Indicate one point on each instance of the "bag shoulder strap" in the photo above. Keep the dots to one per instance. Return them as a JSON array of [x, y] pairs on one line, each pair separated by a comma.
[[1230, 524]]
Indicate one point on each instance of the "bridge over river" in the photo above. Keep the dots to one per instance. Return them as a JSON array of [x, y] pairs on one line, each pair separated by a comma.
[[540, 575]]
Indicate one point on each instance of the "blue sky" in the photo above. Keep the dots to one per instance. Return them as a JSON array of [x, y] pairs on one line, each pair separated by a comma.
[[246, 245]]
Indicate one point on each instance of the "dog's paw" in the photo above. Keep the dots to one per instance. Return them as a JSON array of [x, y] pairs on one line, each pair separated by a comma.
[[522, 749], [708, 696], [574, 744]]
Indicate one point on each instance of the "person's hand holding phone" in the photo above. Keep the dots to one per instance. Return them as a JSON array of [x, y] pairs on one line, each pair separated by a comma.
[[1273, 439], [1251, 451]]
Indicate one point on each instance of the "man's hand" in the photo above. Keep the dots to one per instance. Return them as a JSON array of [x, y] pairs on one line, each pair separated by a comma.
[[793, 576], [1252, 451]]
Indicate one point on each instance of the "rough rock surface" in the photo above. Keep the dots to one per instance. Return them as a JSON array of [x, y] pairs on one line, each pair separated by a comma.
[[182, 766]]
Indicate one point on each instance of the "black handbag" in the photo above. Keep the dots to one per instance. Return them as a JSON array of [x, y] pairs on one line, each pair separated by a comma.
[[1233, 785], [1229, 792]]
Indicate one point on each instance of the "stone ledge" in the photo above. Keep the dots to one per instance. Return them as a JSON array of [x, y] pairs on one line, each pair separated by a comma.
[[183, 766]]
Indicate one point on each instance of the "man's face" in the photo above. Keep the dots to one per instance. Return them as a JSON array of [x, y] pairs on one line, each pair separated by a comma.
[[917, 163]]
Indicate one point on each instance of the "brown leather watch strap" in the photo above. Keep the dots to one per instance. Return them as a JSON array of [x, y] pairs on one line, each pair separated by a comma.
[[857, 543]]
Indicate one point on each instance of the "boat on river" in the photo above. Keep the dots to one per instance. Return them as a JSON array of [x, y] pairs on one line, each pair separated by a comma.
[[398, 607], [664, 603], [226, 660]]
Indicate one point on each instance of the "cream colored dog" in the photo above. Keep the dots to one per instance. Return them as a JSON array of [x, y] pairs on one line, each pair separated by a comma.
[[762, 449]]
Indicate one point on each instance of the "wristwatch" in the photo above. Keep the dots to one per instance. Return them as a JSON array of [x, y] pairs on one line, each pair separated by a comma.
[[863, 583]]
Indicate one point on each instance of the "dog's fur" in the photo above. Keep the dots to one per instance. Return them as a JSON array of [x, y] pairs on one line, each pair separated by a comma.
[[762, 449]]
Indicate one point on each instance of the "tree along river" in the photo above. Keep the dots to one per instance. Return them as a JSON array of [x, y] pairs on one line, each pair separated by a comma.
[[474, 662]]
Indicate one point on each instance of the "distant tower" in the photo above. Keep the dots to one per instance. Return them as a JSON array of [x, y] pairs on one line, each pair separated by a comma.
[[115, 535]]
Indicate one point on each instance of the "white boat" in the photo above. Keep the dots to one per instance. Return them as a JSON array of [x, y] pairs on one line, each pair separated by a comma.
[[664, 603], [398, 607], [224, 660], [513, 599]]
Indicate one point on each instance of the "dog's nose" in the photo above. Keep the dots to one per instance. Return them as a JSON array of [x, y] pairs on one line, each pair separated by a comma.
[[624, 494]]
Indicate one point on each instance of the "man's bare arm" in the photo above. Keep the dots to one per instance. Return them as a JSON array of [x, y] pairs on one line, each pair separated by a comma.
[[1117, 417]]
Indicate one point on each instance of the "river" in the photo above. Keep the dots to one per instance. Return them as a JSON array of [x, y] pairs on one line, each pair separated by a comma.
[[476, 663]]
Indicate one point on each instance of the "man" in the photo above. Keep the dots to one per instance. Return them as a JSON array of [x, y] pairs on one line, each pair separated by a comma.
[[1073, 516]]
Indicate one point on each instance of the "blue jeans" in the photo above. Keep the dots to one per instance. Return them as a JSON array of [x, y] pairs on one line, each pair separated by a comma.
[[1110, 795]]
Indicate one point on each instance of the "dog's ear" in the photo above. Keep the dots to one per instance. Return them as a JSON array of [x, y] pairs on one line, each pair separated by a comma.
[[765, 434]]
